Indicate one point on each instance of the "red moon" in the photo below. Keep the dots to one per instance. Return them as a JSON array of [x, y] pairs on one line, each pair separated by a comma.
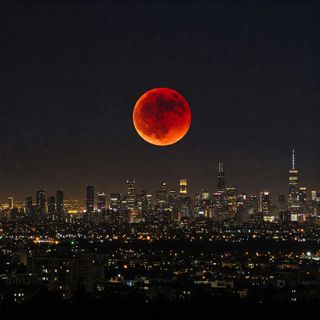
[[162, 116]]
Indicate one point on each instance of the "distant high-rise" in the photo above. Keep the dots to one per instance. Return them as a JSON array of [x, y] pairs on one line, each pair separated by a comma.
[[131, 194], [11, 204], [303, 199], [183, 187], [115, 201], [220, 178], [52, 207], [265, 202], [141, 201], [315, 197], [294, 191], [29, 206], [101, 201], [59, 204], [252, 204], [231, 199], [162, 194], [90, 202], [41, 203], [282, 203]]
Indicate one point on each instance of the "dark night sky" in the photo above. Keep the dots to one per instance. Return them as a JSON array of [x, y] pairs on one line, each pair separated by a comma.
[[71, 72]]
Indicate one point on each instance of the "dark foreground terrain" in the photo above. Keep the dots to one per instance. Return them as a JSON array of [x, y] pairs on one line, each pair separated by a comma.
[[51, 306]]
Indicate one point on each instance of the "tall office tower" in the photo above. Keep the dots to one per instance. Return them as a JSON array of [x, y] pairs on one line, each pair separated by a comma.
[[29, 206], [282, 203], [41, 203], [162, 197], [294, 192], [101, 201], [317, 204], [52, 208], [90, 202], [172, 195], [183, 187], [232, 199], [172, 201], [141, 202], [149, 201], [303, 199], [131, 194], [220, 178], [115, 201], [218, 203], [265, 202], [11, 204], [252, 204], [59, 204]]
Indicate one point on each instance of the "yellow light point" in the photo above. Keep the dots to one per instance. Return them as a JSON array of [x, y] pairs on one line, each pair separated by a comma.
[[125, 267], [148, 238], [72, 211]]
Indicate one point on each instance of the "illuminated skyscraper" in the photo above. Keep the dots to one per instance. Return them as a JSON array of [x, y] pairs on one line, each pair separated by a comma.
[[11, 204], [59, 204], [303, 199], [316, 202], [183, 187], [252, 204], [162, 197], [265, 202], [29, 206], [101, 201], [41, 203], [218, 203], [282, 203], [52, 207], [294, 192], [231, 199], [142, 202], [90, 202], [220, 178], [115, 201], [131, 194]]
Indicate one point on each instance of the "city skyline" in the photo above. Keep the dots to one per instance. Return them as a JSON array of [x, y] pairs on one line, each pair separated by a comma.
[[191, 191]]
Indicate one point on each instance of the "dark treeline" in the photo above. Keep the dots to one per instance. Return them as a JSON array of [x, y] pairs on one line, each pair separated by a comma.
[[49, 305]]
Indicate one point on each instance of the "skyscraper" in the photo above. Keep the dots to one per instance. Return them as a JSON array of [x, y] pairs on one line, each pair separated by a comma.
[[183, 187], [220, 178], [29, 206], [282, 203], [162, 196], [303, 199], [11, 204], [115, 201], [265, 202], [41, 203], [52, 207], [90, 202], [231, 199], [59, 204], [131, 194], [101, 201], [294, 191]]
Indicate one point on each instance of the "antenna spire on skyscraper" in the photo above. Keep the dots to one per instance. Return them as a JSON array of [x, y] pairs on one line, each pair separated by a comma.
[[293, 164]]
